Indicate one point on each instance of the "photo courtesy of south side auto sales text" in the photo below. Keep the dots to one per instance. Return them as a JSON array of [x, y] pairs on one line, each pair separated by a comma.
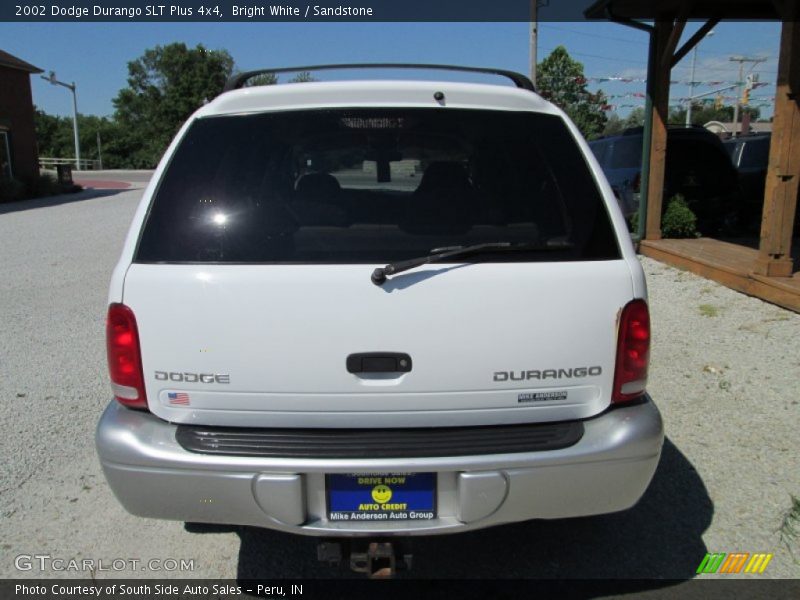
[[138, 590]]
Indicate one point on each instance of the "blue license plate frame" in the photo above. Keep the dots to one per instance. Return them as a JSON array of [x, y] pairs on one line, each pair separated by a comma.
[[369, 497]]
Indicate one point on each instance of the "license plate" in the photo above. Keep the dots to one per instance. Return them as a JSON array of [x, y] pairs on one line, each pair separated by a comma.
[[381, 496]]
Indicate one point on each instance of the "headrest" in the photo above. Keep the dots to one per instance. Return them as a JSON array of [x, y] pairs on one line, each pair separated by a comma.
[[318, 187], [441, 175]]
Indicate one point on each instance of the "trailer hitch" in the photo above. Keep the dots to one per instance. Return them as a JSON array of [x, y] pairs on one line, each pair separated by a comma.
[[376, 559]]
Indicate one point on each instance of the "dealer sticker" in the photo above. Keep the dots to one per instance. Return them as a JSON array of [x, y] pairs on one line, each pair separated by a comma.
[[381, 496], [543, 396]]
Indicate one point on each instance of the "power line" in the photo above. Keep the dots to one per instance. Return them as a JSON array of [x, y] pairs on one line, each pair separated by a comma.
[[594, 35], [725, 68], [627, 80], [716, 52], [611, 58], [641, 62]]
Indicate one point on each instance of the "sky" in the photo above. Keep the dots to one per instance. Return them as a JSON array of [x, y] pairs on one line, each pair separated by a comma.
[[95, 55]]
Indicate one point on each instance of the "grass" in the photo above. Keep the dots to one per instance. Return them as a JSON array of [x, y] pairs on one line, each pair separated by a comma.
[[708, 310], [790, 527]]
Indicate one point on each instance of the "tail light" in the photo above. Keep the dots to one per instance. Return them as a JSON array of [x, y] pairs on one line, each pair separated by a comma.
[[125, 357], [633, 352]]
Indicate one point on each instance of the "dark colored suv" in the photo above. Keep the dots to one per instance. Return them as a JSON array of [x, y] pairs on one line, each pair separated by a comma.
[[698, 167], [750, 156]]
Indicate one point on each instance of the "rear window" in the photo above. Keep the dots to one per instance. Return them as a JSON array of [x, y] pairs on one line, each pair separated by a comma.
[[699, 168], [755, 154], [374, 186], [732, 147]]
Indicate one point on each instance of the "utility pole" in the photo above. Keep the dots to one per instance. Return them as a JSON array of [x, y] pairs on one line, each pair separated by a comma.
[[534, 40], [692, 82], [51, 77], [741, 60]]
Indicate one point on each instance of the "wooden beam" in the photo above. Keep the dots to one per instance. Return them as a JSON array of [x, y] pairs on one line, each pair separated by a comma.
[[782, 7], [663, 37], [783, 172], [665, 59], [702, 257], [694, 40]]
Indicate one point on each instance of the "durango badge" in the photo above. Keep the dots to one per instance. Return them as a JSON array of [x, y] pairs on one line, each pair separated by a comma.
[[548, 374]]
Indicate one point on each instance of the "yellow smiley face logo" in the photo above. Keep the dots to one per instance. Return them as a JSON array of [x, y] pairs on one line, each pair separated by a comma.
[[381, 494]]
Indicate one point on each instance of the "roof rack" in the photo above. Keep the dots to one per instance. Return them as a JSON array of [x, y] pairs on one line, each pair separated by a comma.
[[521, 81]]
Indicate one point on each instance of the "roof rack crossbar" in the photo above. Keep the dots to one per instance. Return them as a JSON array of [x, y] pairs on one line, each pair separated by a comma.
[[521, 81]]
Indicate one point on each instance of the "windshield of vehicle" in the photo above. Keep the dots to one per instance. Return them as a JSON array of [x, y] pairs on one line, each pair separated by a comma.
[[374, 186], [731, 147], [600, 149], [627, 153], [755, 154]]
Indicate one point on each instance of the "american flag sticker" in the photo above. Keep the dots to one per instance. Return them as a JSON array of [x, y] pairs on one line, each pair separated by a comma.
[[178, 398]]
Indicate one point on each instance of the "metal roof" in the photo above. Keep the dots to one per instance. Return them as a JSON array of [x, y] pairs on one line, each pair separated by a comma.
[[12, 62], [745, 10]]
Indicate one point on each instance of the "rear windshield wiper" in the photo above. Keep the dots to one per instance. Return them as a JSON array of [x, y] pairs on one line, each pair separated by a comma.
[[439, 254]]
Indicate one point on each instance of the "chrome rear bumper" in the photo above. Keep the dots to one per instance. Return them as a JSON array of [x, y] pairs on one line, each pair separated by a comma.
[[153, 476]]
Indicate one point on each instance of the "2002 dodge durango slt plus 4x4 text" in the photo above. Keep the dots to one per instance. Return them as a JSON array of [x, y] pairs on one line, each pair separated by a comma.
[[376, 308]]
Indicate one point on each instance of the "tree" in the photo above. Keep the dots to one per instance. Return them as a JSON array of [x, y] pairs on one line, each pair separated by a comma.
[[272, 79], [635, 118], [53, 135], [165, 85], [262, 79], [114, 144], [302, 77], [614, 125], [562, 81], [55, 138], [703, 112]]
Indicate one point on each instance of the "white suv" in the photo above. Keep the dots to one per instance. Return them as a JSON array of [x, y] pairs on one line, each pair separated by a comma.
[[371, 308]]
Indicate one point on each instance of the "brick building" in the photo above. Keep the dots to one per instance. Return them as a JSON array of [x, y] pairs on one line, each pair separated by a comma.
[[18, 152]]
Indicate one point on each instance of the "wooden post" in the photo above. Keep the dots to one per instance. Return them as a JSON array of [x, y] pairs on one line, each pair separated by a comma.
[[665, 40], [534, 41], [780, 191]]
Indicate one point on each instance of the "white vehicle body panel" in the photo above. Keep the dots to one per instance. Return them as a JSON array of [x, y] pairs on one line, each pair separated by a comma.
[[283, 333]]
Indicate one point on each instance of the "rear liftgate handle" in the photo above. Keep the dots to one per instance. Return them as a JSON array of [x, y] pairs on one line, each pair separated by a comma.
[[379, 362]]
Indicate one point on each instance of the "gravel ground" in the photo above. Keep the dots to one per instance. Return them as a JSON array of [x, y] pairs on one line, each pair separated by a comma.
[[725, 374]]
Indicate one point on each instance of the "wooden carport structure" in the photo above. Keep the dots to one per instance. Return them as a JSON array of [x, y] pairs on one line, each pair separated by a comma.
[[768, 272]]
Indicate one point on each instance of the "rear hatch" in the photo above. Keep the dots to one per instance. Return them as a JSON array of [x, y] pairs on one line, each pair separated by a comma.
[[251, 281]]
